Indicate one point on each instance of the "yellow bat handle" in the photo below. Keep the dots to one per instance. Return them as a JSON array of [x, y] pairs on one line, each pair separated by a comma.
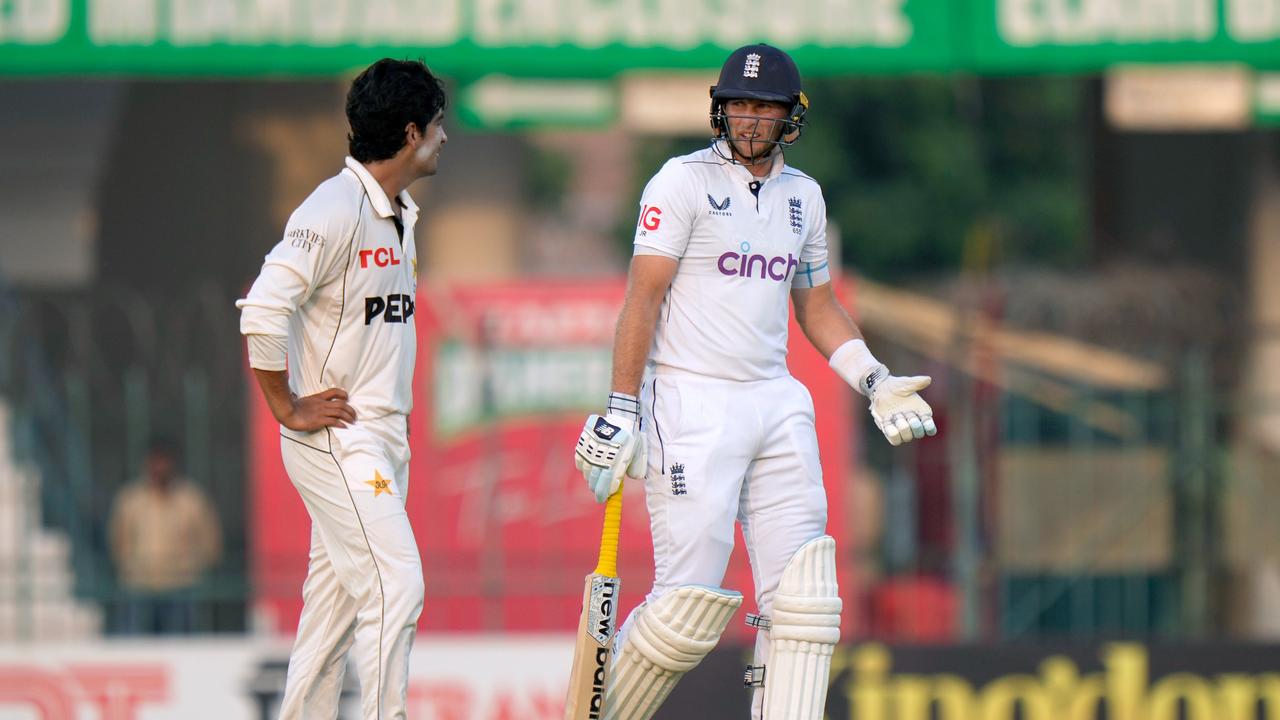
[[608, 563]]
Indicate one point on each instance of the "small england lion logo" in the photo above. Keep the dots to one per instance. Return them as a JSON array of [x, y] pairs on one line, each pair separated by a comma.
[[677, 479], [796, 215]]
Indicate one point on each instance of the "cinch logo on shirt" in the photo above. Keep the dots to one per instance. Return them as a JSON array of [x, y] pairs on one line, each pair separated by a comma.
[[757, 266], [382, 257], [392, 309]]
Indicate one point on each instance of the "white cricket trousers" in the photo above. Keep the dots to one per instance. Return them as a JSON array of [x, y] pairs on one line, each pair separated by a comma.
[[364, 584], [722, 451]]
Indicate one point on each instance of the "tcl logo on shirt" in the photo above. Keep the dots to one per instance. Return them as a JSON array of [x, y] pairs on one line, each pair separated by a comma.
[[392, 308], [382, 257]]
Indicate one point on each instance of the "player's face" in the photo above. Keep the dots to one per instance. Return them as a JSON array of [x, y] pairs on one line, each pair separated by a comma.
[[427, 145], [160, 468], [753, 127]]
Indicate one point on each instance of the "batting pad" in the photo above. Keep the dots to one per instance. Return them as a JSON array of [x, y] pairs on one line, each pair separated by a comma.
[[806, 628], [668, 638]]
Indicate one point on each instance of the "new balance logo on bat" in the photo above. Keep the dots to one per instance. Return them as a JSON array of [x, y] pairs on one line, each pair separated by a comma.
[[602, 611], [597, 684]]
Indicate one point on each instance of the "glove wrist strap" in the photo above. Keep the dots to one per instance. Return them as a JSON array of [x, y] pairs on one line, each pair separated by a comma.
[[624, 405], [855, 364]]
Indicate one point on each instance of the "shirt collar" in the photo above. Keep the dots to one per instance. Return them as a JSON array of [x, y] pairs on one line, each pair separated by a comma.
[[376, 195]]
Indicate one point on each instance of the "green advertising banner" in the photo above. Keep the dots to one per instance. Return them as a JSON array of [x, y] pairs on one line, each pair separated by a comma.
[[601, 38], [467, 38], [500, 102], [1019, 36]]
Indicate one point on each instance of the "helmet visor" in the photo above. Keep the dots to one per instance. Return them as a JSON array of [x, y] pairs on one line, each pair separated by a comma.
[[751, 139]]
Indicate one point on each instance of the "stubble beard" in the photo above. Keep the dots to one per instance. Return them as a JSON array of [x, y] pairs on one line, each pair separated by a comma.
[[764, 156]]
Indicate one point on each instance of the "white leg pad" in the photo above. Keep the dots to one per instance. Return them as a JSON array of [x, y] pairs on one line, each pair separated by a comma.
[[805, 630], [668, 638]]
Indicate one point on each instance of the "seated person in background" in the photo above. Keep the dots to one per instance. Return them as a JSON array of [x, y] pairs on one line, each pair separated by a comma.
[[164, 535]]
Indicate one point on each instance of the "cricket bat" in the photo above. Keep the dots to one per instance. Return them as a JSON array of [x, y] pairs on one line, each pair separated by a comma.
[[598, 623]]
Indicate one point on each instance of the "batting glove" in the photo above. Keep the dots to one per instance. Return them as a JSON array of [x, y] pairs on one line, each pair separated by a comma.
[[896, 406], [611, 447]]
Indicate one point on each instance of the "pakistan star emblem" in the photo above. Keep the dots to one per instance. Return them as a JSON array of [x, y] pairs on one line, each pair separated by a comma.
[[379, 484]]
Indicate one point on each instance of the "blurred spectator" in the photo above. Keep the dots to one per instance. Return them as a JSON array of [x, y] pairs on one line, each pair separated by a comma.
[[164, 536]]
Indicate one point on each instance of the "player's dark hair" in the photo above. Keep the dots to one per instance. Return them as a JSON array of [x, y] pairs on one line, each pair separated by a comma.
[[386, 97], [164, 446]]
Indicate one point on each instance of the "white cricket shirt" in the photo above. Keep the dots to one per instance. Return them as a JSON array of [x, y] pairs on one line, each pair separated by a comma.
[[341, 286], [740, 251]]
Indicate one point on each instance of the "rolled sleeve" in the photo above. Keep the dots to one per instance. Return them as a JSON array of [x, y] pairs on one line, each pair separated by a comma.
[[815, 265]]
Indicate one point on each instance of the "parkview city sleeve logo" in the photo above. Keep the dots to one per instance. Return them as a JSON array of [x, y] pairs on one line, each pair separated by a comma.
[[305, 239]]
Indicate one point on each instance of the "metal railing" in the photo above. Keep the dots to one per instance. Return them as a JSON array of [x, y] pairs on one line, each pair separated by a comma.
[[89, 379]]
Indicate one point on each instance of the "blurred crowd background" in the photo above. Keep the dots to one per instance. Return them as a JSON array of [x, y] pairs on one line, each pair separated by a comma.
[[1067, 213]]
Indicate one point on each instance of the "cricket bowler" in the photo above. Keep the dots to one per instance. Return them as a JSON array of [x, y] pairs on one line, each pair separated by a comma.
[[329, 324], [704, 411]]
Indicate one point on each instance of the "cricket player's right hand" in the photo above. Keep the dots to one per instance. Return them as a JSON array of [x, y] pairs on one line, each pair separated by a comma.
[[327, 408], [609, 448]]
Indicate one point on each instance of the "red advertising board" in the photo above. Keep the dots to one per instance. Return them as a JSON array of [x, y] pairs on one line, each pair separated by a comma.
[[506, 373]]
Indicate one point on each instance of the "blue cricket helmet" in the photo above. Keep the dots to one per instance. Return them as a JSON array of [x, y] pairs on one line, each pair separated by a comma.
[[760, 72]]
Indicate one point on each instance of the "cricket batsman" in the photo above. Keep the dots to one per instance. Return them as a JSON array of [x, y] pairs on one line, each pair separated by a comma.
[[704, 410], [329, 324]]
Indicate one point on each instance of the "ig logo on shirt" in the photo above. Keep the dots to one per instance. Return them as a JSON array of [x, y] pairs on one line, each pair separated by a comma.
[[650, 218]]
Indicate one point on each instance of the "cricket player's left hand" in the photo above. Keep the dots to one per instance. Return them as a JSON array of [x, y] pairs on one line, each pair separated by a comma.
[[899, 411], [609, 448]]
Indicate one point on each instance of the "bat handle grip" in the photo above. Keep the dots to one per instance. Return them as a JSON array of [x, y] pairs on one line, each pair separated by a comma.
[[608, 563]]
